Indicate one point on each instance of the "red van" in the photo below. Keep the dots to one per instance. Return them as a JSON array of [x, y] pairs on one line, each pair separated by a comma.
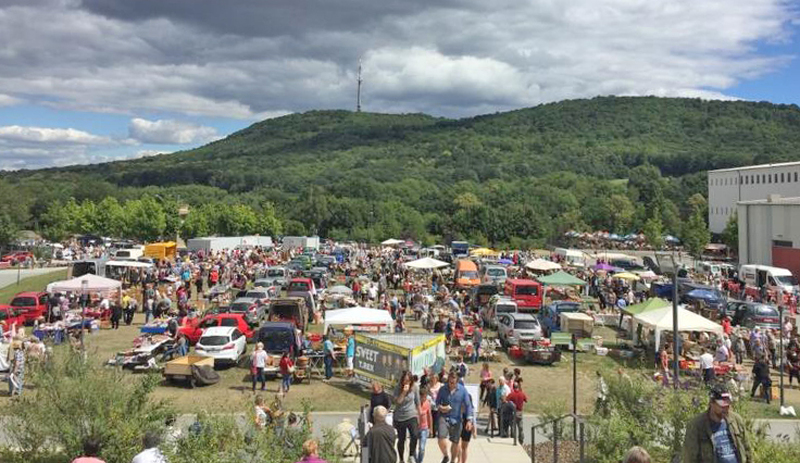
[[526, 293]]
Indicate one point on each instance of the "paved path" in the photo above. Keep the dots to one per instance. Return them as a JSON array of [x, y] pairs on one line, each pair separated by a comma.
[[9, 276]]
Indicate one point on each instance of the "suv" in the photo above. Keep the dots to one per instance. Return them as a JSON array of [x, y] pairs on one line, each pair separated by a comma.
[[252, 310], [224, 343], [274, 276], [514, 328], [752, 314]]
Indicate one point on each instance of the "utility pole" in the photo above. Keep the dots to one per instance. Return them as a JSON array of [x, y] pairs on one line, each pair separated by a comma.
[[676, 338], [358, 94]]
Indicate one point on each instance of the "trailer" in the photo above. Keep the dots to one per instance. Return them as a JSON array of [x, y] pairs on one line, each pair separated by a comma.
[[180, 369], [300, 242]]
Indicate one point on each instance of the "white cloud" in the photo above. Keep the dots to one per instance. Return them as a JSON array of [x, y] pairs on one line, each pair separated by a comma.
[[52, 136], [8, 100], [170, 132]]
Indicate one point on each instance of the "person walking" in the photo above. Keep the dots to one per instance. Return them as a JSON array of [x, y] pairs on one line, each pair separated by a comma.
[[406, 413], [258, 362], [287, 370], [477, 339], [518, 398], [454, 404], [91, 449], [425, 422], [380, 439], [717, 434], [350, 353], [379, 397], [116, 315], [761, 378], [707, 366], [327, 349]]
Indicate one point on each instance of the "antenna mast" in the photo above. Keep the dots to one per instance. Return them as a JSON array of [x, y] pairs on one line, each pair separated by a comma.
[[358, 95]]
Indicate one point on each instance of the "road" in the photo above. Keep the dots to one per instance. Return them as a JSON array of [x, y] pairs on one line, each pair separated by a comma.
[[9, 276]]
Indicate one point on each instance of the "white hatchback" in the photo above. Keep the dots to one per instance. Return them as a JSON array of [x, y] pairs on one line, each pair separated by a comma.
[[225, 344]]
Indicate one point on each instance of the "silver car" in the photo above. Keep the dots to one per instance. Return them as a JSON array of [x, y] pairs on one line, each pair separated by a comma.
[[513, 328]]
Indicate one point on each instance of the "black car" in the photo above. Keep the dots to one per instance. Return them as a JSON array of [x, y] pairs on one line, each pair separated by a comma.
[[752, 314]]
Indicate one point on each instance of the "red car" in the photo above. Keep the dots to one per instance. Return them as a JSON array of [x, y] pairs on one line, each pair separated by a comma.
[[193, 328], [30, 305], [17, 257], [9, 316]]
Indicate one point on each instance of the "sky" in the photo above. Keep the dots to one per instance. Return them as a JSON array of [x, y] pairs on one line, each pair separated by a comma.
[[86, 81]]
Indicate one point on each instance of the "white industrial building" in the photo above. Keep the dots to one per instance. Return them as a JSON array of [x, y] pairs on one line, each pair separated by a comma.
[[218, 243], [726, 187], [769, 232]]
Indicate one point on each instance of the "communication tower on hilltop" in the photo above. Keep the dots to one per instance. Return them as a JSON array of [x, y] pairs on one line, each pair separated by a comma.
[[358, 94]]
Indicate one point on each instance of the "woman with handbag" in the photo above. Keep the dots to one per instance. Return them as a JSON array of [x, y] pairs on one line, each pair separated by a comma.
[[258, 362], [287, 371]]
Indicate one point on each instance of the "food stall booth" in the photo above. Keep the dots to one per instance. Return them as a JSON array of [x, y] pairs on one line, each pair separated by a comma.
[[383, 357]]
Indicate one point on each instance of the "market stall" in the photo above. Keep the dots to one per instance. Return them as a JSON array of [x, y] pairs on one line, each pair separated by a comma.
[[661, 319], [542, 265], [360, 318], [383, 357], [426, 263], [561, 279], [88, 283]]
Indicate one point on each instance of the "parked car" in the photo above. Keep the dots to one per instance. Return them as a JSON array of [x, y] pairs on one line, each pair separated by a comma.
[[289, 309], [193, 328], [752, 314], [252, 310], [526, 293], [550, 316], [319, 275], [326, 261], [279, 337], [224, 343], [494, 274], [481, 295], [17, 257], [262, 295], [513, 328], [274, 276], [30, 305], [497, 305]]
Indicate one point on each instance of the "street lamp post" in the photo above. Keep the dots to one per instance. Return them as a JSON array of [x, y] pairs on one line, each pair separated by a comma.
[[85, 301], [675, 335], [780, 349]]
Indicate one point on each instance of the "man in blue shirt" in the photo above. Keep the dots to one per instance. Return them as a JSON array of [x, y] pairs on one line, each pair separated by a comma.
[[351, 352], [454, 404]]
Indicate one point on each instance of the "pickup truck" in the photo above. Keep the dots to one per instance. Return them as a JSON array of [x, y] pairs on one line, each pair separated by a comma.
[[9, 316], [30, 305]]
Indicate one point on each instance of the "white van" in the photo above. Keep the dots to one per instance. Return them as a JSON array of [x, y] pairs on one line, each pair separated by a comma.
[[572, 257], [775, 278], [708, 268], [131, 253]]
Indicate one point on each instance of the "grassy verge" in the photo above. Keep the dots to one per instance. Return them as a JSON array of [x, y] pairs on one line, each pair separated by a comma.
[[34, 283]]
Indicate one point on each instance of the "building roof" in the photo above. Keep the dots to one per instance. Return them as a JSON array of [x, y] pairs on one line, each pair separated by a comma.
[[760, 166], [774, 201]]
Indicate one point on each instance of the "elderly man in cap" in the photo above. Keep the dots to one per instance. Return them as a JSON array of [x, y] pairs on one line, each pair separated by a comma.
[[718, 434]]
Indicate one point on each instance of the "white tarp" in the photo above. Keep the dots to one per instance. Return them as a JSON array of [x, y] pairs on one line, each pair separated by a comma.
[[94, 284], [358, 316], [392, 242], [426, 263], [661, 320], [339, 289], [543, 265]]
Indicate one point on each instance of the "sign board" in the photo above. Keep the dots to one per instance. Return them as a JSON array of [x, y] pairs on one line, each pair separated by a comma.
[[379, 361]]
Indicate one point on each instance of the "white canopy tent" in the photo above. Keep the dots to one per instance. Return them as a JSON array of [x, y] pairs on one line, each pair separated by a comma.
[[128, 263], [94, 284], [426, 263], [392, 242], [661, 320], [358, 316], [543, 265]]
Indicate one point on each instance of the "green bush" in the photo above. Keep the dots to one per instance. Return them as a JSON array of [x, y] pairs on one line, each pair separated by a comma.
[[68, 400]]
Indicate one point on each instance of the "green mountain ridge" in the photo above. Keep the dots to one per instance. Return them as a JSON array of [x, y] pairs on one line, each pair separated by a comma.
[[367, 174]]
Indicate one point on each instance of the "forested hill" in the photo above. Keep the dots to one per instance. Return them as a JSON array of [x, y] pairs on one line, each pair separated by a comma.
[[525, 174]]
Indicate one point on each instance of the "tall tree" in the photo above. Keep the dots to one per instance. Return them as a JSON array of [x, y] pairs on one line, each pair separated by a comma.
[[695, 234], [730, 236]]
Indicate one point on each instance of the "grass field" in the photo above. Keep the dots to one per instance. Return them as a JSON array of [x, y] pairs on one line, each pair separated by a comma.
[[37, 283]]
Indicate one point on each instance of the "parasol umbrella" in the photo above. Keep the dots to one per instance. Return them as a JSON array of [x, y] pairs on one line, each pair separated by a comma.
[[626, 276], [426, 263], [484, 252], [604, 266], [648, 275], [543, 265], [392, 242], [505, 261]]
